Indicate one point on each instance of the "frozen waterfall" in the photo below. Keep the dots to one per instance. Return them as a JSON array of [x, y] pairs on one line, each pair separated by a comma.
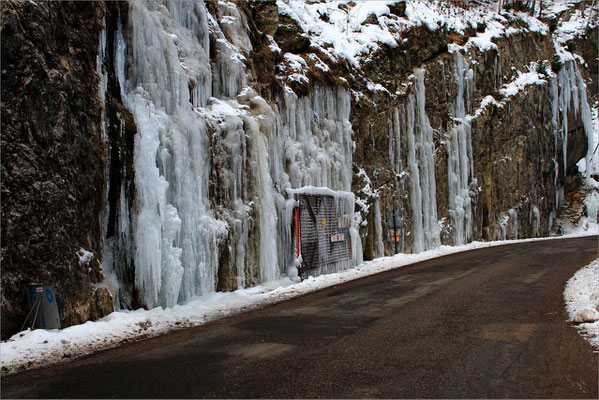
[[459, 155], [569, 95], [213, 159], [421, 165]]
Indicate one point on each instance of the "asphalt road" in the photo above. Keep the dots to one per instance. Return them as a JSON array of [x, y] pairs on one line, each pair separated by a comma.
[[488, 323]]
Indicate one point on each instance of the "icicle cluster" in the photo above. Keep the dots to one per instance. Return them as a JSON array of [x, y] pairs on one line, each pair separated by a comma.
[[411, 120], [395, 143], [197, 120], [314, 139], [568, 93], [421, 165], [214, 161], [378, 229]]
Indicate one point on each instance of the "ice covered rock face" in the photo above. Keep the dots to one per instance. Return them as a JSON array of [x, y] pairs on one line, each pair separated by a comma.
[[213, 159]]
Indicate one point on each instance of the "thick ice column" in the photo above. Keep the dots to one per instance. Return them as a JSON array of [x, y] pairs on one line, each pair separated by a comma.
[[513, 223], [415, 190], [428, 182], [584, 111], [265, 193], [378, 229], [395, 142], [421, 164], [459, 155], [268, 218]]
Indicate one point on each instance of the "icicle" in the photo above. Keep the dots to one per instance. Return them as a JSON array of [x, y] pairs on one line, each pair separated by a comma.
[[513, 223], [120, 58], [395, 142], [103, 86], [378, 229], [568, 93], [535, 220]]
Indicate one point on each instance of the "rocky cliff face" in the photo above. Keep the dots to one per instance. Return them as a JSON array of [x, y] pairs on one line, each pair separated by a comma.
[[52, 156], [161, 138], [501, 156]]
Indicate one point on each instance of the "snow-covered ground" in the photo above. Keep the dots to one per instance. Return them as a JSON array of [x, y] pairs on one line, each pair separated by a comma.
[[581, 296], [30, 349]]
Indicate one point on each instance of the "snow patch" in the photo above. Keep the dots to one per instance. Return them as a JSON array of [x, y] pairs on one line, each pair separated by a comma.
[[522, 80], [581, 296], [85, 256]]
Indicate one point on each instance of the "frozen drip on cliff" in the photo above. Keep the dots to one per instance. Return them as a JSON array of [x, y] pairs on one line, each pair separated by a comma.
[[213, 159], [234, 143]]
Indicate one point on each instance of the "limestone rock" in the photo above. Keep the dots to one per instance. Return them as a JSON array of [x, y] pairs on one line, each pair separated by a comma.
[[585, 315], [266, 16], [52, 152], [289, 36], [103, 302], [398, 8]]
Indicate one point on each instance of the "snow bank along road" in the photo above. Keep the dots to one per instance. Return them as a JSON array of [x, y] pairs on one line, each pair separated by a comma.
[[485, 323]]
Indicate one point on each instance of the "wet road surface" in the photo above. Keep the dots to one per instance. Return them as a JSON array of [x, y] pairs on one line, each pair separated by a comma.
[[488, 323]]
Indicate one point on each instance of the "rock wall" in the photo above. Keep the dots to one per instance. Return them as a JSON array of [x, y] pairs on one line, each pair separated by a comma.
[[52, 157], [157, 141], [517, 170]]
